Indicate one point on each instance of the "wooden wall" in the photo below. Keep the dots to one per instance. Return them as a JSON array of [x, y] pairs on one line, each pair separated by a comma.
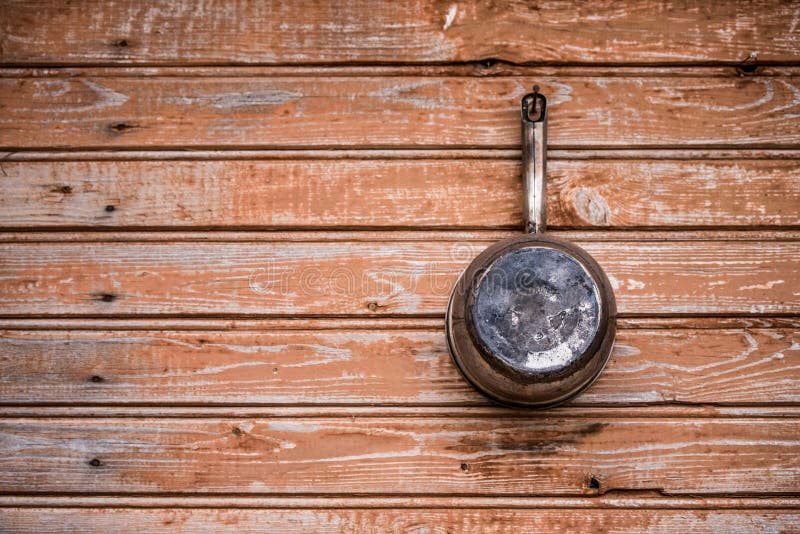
[[228, 230]]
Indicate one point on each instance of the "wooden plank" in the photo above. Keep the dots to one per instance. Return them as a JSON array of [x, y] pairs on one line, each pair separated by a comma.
[[530, 454], [365, 367], [399, 112], [370, 323], [370, 277], [388, 154], [395, 193], [655, 411], [642, 500], [281, 32], [388, 235], [472, 69], [321, 520]]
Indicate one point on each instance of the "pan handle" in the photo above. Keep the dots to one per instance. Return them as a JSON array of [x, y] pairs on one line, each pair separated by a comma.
[[534, 165]]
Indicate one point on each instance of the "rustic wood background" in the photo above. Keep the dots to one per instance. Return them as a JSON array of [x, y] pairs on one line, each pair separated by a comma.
[[228, 230]]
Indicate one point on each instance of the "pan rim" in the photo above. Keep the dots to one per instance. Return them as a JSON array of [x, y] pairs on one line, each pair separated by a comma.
[[595, 356]]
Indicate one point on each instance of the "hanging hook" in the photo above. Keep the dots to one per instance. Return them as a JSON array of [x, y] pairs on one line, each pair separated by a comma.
[[529, 104]]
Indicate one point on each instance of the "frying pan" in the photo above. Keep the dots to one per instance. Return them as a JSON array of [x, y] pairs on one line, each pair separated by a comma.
[[531, 321]]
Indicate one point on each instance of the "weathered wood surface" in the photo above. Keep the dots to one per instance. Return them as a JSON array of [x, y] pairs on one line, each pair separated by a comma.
[[370, 278], [400, 112], [532, 454], [267, 324], [321, 520], [229, 231], [614, 500], [283, 32], [395, 193], [364, 367], [227, 411], [391, 235]]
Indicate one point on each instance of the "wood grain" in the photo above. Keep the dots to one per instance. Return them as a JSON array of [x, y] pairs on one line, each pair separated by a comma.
[[531, 454], [321, 520], [395, 193], [311, 412], [281, 32], [690, 322], [370, 278], [391, 235], [614, 500], [366, 367], [398, 112]]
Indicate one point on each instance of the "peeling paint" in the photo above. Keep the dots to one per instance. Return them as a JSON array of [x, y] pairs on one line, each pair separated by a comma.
[[451, 15], [239, 100], [768, 285]]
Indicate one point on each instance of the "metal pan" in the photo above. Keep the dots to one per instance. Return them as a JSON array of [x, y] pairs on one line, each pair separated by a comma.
[[531, 321]]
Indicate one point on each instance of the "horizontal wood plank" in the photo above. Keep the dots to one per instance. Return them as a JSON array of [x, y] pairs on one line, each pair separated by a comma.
[[531, 454], [388, 154], [370, 278], [399, 112], [390, 235], [365, 367], [335, 521], [642, 500], [656, 411], [395, 193], [368, 323], [281, 32]]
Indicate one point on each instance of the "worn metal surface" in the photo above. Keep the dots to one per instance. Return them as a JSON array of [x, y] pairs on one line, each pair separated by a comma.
[[536, 309]]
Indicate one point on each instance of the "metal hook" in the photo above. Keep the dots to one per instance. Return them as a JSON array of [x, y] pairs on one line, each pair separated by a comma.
[[529, 102]]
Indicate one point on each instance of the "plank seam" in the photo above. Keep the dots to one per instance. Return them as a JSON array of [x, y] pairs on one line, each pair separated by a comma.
[[443, 495]]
